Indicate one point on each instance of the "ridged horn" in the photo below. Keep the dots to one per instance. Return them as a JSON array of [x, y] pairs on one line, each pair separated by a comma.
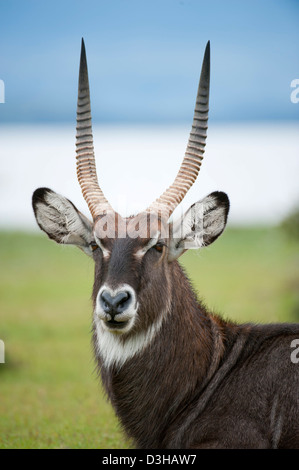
[[86, 166], [190, 166]]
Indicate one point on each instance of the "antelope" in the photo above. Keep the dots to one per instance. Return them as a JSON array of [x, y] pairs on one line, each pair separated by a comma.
[[177, 375]]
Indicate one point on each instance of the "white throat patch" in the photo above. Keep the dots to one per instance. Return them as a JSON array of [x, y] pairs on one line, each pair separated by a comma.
[[115, 352]]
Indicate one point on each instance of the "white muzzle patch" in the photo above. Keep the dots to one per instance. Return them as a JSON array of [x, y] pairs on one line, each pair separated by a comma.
[[120, 322]]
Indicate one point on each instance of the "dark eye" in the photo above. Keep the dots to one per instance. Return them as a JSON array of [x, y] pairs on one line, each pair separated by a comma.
[[93, 246], [159, 247]]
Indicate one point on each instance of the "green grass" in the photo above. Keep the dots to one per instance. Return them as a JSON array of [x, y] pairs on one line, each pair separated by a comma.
[[248, 275], [50, 396]]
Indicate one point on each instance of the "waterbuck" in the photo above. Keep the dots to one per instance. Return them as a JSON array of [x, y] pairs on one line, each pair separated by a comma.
[[177, 375]]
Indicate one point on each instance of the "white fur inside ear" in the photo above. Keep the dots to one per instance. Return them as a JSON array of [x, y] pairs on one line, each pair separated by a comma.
[[187, 232], [63, 222], [214, 223], [199, 226]]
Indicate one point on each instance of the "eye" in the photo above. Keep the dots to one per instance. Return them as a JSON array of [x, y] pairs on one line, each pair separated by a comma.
[[159, 246], [99, 244], [93, 246]]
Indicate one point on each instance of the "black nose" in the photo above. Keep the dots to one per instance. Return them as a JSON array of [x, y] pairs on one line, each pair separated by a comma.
[[115, 304]]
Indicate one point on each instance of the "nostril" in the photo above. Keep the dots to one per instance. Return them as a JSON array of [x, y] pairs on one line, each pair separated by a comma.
[[106, 301], [115, 304], [121, 298], [121, 301]]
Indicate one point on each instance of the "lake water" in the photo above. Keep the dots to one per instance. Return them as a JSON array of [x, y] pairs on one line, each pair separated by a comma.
[[256, 164]]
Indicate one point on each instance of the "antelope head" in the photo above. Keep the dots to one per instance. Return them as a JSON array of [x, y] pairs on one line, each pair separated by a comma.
[[134, 256]]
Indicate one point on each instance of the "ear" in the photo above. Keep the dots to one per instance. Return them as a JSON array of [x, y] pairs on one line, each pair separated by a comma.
[[200, 225], [61, 220]]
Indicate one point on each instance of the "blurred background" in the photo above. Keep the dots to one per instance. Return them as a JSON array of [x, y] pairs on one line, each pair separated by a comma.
[[144, 61]]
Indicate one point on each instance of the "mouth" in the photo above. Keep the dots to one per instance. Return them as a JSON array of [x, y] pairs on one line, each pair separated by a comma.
[[119, 327], [116, 325]]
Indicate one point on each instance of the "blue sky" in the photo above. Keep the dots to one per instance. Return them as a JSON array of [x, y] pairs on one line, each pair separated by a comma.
[[145, 56]]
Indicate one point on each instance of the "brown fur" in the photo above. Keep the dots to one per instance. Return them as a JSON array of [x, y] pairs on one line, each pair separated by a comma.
[[203, 382]]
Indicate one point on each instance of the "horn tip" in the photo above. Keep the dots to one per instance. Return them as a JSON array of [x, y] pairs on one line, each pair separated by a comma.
[[205, 70], [83, 53], [207, 51], [83, 74]]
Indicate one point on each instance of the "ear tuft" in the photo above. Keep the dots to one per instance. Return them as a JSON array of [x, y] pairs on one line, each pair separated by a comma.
[[216, 209], [222, 198], [39, 196], [46, 214]]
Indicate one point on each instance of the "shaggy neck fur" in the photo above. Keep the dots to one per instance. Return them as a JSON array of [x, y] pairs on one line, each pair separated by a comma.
[[152, 388]]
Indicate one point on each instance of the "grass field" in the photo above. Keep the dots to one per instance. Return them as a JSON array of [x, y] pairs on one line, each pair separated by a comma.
[[49, 393]]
